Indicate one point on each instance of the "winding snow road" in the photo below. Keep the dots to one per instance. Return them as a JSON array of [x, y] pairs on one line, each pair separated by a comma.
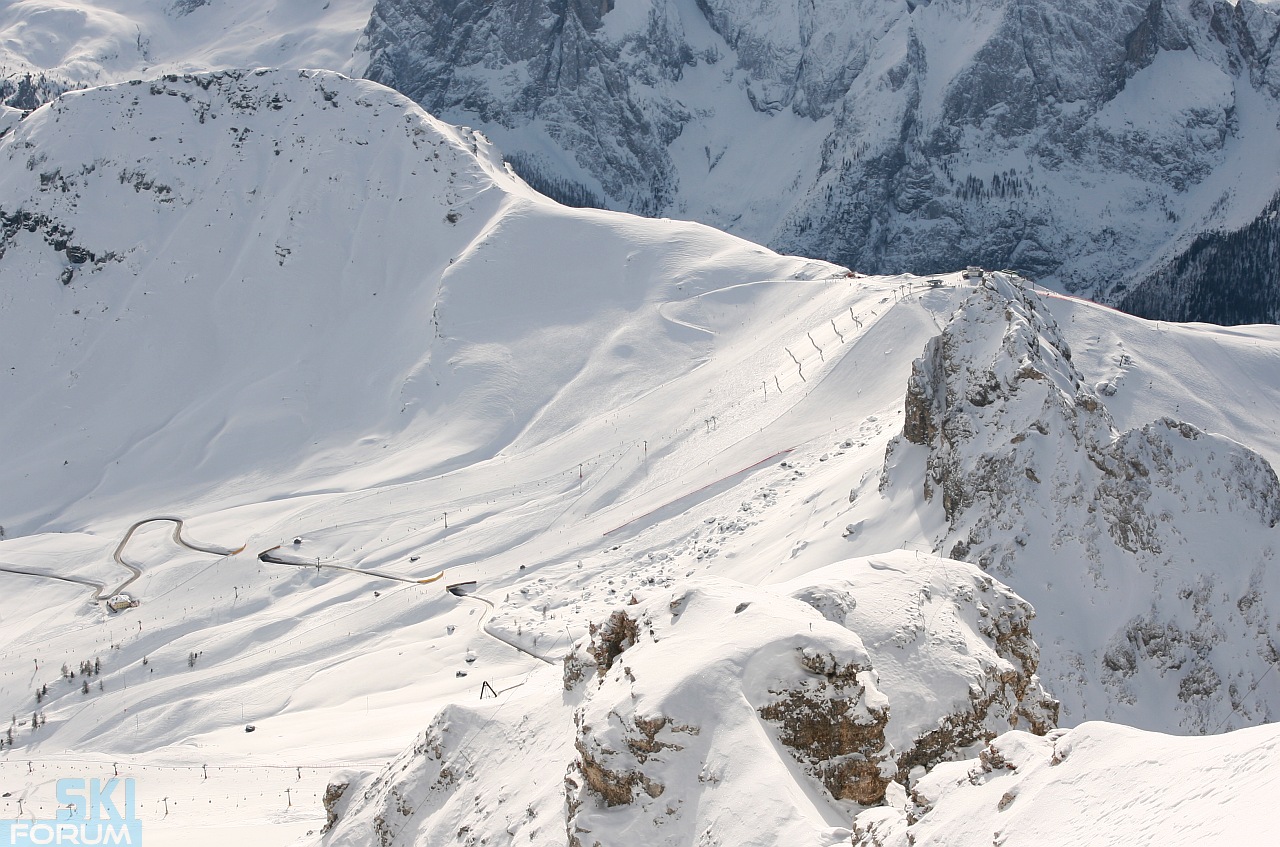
[[265, 556], [98, 587], [480, 625], [136, 571]]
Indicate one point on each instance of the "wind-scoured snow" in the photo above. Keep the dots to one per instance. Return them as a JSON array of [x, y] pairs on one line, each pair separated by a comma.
[[1096, 784]]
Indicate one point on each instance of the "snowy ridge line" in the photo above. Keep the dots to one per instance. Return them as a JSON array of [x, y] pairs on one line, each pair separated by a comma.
[[1045, 292], [750, 467], [901, 289]]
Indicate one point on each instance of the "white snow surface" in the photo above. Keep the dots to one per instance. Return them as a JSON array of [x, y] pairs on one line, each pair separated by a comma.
[[298, 307], [1098, 784], [105, 41]]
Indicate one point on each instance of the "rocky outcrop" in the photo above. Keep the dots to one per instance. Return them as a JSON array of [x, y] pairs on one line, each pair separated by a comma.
[[333, 794], [1026, 466], [994, 688], [842, 745], [560, 70], [676, 712]]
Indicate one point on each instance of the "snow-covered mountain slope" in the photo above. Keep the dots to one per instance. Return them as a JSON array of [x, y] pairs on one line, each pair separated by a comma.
[[1098, 784], [239, 277], [48, 46], [312, 317], [1099, 145]]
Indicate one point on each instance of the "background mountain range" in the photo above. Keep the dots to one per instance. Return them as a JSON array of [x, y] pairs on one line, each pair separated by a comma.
[[1118, 149]]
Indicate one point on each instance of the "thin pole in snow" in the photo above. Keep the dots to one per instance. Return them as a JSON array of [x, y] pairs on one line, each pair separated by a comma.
[[446, 520]]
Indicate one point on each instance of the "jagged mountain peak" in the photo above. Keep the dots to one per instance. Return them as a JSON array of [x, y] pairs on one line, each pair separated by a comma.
[[1025, 463], [1083, 143]]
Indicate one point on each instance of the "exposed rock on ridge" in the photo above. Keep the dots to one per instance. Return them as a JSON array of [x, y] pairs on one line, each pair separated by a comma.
[[1026, 465], [692, 704]]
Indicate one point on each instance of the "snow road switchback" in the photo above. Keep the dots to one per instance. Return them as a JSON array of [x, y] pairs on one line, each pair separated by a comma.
[[135, 571]]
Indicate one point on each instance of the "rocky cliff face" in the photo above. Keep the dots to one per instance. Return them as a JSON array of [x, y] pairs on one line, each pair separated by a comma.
[[515, 62], [1027, 467], [1080, 142]]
